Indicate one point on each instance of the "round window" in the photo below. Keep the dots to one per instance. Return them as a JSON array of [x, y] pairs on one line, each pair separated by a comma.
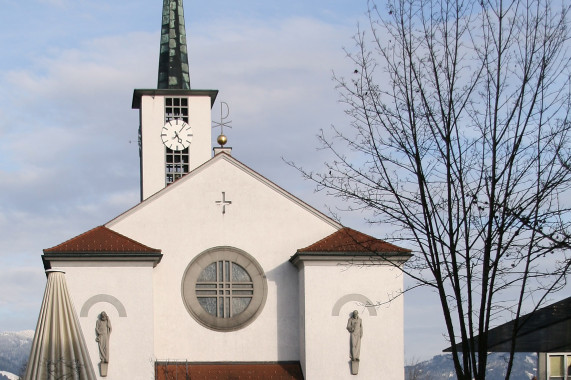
[[224, 288]]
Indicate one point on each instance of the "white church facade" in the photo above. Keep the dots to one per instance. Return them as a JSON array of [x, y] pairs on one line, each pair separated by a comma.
[[218, 273]]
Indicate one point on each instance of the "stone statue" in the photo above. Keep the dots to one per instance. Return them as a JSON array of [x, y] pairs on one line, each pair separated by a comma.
[[103, 332], [355, 327]]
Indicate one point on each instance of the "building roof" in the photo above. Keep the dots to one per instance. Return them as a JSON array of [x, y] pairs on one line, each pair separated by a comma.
[[225, 156], [101, 239], [350, 241], [101, 243], [545, 330], [224, 371], [173, 56]]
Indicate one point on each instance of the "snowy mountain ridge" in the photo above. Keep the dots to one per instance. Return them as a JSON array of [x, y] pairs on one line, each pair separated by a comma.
[[14, 351], [441, 367]]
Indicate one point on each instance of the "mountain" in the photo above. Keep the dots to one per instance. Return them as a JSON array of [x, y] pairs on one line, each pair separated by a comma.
[[14, 351], [441, 367]]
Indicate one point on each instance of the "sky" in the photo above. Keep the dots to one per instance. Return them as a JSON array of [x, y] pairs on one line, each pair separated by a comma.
[[68, 136]]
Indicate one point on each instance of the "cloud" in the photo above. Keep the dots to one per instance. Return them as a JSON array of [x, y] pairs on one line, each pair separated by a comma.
[[20, 306], [277, 80], [68, 136], [55, 3], [68, 150], [68, 155]]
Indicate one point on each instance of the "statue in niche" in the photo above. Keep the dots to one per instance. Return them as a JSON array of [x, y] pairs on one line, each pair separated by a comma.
[[103, 332], [355, 328]]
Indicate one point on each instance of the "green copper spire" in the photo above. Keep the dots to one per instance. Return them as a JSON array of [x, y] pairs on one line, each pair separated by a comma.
[[173, 58]]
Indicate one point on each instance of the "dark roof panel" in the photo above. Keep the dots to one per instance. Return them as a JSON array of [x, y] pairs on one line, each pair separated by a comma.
[[173, 55], [546, 330]]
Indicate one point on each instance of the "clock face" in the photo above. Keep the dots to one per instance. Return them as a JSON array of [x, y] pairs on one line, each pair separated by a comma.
[[176, 134]]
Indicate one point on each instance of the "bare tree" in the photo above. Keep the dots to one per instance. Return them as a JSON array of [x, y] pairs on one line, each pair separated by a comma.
[[459, 138]]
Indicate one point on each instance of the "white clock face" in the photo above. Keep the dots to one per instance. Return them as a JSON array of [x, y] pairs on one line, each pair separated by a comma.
[[176, 134]]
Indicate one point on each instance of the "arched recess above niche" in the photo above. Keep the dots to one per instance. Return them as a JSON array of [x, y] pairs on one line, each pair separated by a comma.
[[105, 298], [354, 297]]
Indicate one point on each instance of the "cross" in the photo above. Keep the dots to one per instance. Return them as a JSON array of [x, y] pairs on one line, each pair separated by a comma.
[[224, 202]]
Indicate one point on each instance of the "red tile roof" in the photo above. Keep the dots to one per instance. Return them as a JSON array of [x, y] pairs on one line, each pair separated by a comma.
[[98, 240], [351, 241], [228, 371]]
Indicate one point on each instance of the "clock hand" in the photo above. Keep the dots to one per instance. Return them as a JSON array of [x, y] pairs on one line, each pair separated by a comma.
[[178, 137]]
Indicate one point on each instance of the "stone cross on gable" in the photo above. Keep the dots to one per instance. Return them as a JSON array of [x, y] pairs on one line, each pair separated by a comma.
[[223, 202]]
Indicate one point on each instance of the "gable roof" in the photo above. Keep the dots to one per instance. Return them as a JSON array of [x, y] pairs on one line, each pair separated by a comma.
[[347, 242], [224, 156], [101, 239], [101, 243]]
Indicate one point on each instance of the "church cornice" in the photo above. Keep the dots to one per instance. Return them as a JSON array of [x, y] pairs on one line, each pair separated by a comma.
[[139, 93], [352, 258], [50, 260]]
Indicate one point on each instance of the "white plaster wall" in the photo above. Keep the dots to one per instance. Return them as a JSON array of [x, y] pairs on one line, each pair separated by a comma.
[[131, 341], [301, 300], [184, 220], [153, 152], [326, 336]]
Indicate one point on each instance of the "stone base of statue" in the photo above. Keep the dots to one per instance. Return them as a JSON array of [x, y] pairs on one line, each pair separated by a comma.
[[354, 367], [103, 369]]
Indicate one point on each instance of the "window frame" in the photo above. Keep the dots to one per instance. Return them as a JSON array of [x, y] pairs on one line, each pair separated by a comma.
[[177, 163], [566, 365], [243, 259]]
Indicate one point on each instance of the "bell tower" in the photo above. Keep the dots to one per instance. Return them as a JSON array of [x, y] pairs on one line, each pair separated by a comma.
[[174, 120]]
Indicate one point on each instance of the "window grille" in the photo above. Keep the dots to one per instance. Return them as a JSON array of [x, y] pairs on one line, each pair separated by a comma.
[[177, 162]]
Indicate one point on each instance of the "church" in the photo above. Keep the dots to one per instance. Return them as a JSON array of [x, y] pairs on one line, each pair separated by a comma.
[[218, 273]]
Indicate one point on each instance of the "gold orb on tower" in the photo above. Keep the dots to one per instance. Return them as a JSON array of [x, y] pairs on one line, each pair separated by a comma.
[[222, 140]]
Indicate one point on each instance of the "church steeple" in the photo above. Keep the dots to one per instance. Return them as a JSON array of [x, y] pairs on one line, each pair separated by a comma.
[[173, 58], [175, 133]]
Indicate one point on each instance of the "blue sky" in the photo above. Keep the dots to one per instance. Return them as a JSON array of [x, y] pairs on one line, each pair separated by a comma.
[[68, 135]]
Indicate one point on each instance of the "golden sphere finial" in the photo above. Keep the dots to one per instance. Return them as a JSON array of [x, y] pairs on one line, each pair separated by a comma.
[[222, 140]]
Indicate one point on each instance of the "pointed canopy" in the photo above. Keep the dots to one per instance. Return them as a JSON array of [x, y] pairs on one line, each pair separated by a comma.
[[58, 350], [173, 58]]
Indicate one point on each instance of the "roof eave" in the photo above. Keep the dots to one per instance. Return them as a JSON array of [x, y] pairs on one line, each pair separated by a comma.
[[154, 257], [139, 93], [373, 258]]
